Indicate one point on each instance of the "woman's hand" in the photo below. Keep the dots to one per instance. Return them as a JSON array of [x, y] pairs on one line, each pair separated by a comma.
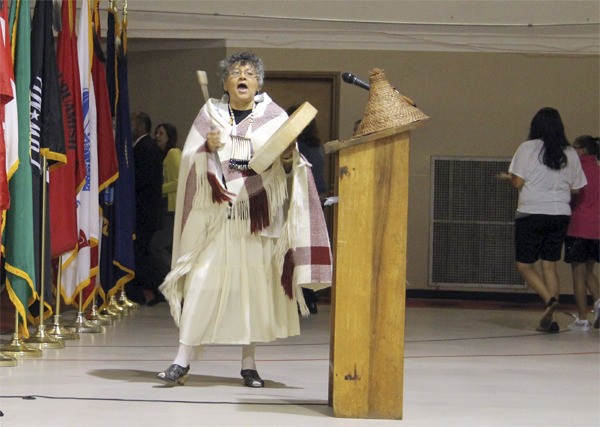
[[514, 180], [213, 140]]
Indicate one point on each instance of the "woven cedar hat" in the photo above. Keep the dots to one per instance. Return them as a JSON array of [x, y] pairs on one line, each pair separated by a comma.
[[386, 107]]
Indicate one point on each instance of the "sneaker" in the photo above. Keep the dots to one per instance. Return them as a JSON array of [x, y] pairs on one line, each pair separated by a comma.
[[580, 325], [597, 314]]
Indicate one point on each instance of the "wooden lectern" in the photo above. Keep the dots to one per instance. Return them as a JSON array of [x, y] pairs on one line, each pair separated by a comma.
[[368, 297]]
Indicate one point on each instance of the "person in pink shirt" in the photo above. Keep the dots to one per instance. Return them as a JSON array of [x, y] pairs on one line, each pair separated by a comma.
[[582, 243]]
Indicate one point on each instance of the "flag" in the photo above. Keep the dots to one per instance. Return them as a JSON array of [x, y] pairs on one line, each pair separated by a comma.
[[65, 182], [108, 168], [118, 201], [47, 136], [82, 263], [10, 124], [6, 96], [18, 232]]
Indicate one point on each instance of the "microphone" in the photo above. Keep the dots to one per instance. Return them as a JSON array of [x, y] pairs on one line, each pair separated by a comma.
[[353, 80]]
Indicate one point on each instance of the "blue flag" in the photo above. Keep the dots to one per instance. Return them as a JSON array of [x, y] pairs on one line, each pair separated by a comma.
[[118, 200]]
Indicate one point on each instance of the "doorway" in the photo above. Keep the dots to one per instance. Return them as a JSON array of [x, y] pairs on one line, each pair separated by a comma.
[[322, 90]]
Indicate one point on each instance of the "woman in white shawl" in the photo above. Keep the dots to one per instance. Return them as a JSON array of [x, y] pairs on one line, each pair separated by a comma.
[[244, 243]]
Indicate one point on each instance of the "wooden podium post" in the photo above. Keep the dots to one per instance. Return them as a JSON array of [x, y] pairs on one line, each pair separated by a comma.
[[368, 299]]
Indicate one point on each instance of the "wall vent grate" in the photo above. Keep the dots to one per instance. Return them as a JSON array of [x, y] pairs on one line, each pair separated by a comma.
[[472, 224]]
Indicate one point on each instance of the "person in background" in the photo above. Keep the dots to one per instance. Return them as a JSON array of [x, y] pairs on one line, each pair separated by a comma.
[[582, 244], [147, 159], [309, 145], [546, 170], [165, 136], [245, 243]]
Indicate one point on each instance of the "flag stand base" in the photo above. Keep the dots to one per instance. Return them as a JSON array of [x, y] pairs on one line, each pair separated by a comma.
[[59, 332], [96, 318], [82, 326], [6, 360], [126, 302], [17, 348], [111, 312], [43, 340], [115, 306]]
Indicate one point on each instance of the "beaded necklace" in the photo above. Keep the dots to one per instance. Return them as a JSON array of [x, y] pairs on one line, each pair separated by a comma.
[[241, 151]]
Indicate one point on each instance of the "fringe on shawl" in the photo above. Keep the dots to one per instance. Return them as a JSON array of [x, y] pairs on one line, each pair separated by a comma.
[[286, 243], [287, 274], [254, 214], [172, 286], [287, 281], [205, 187], [260, 217], [219, 194]]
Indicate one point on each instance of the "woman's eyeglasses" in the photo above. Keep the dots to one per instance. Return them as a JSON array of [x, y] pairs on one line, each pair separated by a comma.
[[248, 73]]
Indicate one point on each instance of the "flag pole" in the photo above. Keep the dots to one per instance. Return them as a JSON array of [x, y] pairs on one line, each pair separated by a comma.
[[94, 316], [57, 330], [17, 348], [81, 325], [41, 339]]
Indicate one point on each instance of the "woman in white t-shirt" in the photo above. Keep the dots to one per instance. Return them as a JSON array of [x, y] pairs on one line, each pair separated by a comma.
[[546, 170]]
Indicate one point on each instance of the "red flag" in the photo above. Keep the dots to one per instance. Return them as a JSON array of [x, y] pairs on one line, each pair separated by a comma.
[[66, 181], [108, 167], [6, 95]]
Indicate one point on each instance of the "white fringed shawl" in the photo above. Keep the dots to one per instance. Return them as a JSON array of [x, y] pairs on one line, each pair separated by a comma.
[[256, 203]]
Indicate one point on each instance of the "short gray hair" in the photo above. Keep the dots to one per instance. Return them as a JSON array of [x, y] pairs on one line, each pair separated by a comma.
[[242, 58]]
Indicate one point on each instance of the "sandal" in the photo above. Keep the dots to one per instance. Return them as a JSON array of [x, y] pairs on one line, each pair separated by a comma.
[[252, 379], [175, 373]]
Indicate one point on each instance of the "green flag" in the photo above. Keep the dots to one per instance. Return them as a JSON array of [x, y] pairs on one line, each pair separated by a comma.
[[18, 233]]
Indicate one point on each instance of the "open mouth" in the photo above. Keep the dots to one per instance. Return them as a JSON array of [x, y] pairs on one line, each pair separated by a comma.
[[242, 87]]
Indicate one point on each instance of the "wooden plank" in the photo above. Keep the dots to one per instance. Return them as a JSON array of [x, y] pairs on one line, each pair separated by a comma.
[[387, 344], [353, 282], [368, 355]]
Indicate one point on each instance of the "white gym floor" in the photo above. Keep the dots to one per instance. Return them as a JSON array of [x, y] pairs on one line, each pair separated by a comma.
[[463, 366]]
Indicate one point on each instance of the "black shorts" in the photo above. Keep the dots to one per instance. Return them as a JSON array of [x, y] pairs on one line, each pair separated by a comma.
[[578, 249], [540, 237]]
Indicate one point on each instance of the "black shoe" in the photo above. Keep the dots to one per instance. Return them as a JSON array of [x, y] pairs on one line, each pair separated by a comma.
[[175, 374], [546, 320], [552, 328], [157, 300], [312, 307], [252, 379]]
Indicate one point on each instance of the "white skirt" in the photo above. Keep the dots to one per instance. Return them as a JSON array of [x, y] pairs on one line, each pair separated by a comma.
[[233, 294]]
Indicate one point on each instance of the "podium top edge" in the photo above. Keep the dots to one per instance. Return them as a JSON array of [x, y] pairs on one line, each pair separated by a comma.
[[336, 145]]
